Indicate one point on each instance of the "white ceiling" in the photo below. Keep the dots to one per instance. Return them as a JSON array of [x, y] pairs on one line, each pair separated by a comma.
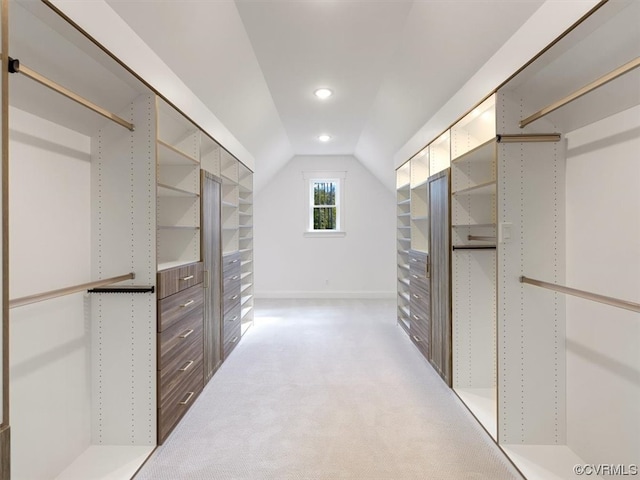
[[391, 63]]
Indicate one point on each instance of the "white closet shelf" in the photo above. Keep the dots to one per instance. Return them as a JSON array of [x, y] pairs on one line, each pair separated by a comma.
[[166, 264], [178, 227], [420, 218], [404, 202], [169, 191], [543, 462], [404, 281], [404, 239], [244, 214], [245, 262], [229, 204], [245, 275], [244, 300], [405, 311], [404, 266], [245, 311], [407, 214], [404, 186], [487, 188], [228, 178], [243, 201], [170, 155], [482, 402], [485, 152], [244, 286], [246, 226], [478, 225], [107, 462], [245, 250], [421, 183], [403, 227], [405, 295]]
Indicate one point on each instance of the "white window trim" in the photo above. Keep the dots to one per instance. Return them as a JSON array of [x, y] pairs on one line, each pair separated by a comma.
[[331, 176]]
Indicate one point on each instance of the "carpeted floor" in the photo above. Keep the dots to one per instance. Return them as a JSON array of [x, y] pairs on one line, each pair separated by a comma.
[[327, 390]]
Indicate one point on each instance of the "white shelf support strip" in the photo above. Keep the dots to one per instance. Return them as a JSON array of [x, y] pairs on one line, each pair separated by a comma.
[[18, 302], [16, 67], [614, 302], [627, 67]]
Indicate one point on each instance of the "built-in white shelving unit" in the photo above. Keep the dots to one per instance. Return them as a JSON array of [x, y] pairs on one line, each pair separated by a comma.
[[83, 209], [568, 214], [473, 211], [178, 192], [245, 244], [403, 193], [419, 201]]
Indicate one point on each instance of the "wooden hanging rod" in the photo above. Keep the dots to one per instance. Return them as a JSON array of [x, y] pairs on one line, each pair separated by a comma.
[[627, 67], [534, 137], [16, 67], [615, 302], [18, 302]]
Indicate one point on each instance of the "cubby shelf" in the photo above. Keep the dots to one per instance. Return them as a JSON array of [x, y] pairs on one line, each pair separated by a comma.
[[487, 188], [169, 191], [170, 155]]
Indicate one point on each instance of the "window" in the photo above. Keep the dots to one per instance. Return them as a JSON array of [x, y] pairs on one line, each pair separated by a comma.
[[325, 215]]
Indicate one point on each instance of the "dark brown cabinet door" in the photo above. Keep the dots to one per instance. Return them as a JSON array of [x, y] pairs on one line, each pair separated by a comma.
[[440, 270], [211, 254]]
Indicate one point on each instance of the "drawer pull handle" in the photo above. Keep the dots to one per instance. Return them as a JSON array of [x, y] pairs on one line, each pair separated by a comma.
[[415, 295], [234, 297], [235, 277], [234, 318], [416, 338], [186, 366], [234, 261], [190, 302], [414, 276], [416, 317], [414, 259], [235, 339], [184, 279], [188, 399], [187, 333]]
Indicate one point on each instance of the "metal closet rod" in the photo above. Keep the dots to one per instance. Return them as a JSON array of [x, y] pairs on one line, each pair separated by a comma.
[[18, 302], [627, 67], [532, 137], [16, 67], [615, 302]]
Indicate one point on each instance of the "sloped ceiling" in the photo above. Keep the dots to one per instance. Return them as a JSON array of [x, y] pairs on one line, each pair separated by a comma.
[[391, 64]]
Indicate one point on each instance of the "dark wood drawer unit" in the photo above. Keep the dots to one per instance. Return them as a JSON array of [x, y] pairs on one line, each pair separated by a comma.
[[231, 330], [231, 285], [174, 280], [419, 303], [180, 343]]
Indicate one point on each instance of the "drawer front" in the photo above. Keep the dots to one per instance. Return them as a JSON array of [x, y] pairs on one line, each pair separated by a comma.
[[176, 340], [231, 298], [231, 342], [178, 369], [176, 307], [230, 262], [180, 400], [231, 322], [174, 280], [231, 280]]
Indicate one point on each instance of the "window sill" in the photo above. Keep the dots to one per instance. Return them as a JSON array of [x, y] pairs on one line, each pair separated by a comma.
[[325, 234]]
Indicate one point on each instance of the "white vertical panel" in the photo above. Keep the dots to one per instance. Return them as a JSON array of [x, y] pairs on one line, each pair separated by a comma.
[[124, 325], [603, 256], [531, 321]]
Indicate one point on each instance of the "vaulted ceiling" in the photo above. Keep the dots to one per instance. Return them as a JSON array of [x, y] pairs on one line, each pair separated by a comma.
[[390, 63]]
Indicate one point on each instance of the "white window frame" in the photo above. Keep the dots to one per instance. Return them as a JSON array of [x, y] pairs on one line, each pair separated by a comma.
[[310, 178]]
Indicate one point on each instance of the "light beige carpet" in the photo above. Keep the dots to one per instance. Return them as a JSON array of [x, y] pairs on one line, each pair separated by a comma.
[[324, 390]]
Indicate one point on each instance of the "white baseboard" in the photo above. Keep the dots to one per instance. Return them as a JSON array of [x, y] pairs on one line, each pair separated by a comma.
[[299, 294]]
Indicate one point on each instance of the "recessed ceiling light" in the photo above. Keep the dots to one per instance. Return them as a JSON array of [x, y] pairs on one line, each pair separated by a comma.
[[323, 93], [324, 137]]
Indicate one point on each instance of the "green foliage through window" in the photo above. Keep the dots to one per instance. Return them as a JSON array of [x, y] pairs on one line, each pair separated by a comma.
[[324, 206]]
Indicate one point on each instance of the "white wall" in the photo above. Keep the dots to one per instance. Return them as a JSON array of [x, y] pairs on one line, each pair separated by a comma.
[[603, 256], [50, 240], [360, 264]]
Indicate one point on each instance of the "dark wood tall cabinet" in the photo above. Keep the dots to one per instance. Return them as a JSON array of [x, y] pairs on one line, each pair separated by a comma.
[[211, 243], [440, 273]]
